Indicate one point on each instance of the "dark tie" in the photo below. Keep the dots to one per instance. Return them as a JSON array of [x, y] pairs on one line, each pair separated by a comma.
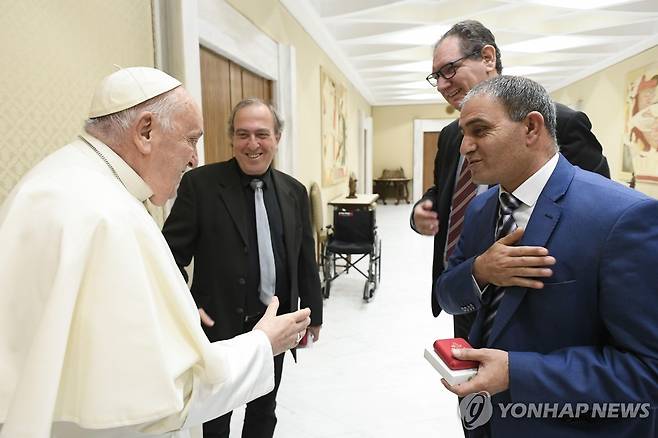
[[493, 296], [267, 284], [464, 192]]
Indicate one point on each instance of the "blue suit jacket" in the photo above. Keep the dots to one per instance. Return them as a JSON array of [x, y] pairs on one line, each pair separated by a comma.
[[591, 334]]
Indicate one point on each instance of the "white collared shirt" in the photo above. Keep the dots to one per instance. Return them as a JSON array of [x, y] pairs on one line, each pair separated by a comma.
[[528, 192]]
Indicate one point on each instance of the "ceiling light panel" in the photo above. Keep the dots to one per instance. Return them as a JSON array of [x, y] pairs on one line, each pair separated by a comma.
[[582, 4], [388, 43], [556, 43]]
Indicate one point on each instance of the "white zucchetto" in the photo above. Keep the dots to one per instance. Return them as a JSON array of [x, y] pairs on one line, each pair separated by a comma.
[[128, 87]]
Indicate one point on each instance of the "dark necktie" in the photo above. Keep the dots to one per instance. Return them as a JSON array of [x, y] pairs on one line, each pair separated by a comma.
[[493, 296], [267, 285], [464, 192]]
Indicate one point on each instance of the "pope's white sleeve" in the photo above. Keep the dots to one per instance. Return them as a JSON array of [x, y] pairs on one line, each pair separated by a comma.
[[247, 360]]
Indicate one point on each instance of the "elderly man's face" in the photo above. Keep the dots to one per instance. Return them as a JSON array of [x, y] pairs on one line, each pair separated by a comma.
[[175, 150], [254, 140], [469, 72], [494, 145]]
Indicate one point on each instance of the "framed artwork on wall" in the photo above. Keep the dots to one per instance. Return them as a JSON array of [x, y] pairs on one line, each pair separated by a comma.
[[333, 130], [640, 146]]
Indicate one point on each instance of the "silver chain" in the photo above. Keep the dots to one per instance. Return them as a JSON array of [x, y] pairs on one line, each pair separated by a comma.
[[102, 157]]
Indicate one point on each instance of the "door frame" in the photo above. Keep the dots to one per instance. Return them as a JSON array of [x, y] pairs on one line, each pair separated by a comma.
[[421, 126]]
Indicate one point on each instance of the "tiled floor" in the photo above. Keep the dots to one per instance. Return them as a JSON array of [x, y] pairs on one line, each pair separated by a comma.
[[366, 377]]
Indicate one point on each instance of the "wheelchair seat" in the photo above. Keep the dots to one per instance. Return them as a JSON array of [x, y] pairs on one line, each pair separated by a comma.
[[341, 247], [354, 232]]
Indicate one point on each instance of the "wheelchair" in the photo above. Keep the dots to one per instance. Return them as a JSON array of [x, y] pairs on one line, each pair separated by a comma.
[[354, 233]]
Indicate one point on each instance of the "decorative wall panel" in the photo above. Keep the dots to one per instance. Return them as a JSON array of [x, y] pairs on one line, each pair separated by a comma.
[[53, 53]]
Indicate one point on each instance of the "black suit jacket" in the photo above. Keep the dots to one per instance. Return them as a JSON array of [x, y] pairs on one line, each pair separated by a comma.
[[208, 222], [577, 143]]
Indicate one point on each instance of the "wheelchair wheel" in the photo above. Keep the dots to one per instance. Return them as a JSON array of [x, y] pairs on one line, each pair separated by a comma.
[[327, 274], [375, 261], [378, 263], [326, 287], [368, 290]]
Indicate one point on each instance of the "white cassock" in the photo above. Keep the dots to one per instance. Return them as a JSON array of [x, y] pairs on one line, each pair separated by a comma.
[[99, 335]]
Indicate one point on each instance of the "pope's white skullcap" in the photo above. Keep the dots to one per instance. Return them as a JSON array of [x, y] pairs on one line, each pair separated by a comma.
[[128, 87]]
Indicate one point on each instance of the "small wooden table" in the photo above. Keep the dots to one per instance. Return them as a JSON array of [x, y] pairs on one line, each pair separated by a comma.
[[361, 200], [399, 185]]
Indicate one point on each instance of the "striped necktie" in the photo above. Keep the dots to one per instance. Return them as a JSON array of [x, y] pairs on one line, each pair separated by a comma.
[[494, 294], [464, 192], [267, 285]]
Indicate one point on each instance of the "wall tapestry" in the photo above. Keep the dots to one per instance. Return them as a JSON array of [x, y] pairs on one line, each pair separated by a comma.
[[334, 131], [640, 149]]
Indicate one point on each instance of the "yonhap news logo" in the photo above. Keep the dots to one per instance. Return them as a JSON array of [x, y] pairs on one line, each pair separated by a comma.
[[574, 410], [476, 410]]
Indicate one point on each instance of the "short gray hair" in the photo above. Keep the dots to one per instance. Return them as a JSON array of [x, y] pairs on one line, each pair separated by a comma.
[[473, 36], [278, 122], [163, 106], [519, 96]]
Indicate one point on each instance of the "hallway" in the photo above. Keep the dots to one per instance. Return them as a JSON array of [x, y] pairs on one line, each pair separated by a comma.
[[366, 377]]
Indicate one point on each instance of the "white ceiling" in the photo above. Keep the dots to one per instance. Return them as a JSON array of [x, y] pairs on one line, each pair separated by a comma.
[[384, 47]]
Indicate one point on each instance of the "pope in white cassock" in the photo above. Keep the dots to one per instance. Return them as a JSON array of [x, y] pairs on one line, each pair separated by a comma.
[[99, 335]]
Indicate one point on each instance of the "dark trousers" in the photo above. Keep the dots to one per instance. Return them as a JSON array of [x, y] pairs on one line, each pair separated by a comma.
[[463, 324], [259, 417]]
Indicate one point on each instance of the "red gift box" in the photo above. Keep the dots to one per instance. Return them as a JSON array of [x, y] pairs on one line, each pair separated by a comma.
[[306, 341], [444, 347]]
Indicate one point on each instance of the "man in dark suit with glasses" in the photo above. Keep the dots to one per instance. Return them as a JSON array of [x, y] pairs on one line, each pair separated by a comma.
[[466, 55]]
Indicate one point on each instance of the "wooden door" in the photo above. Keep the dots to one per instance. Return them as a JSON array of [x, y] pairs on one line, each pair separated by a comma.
[[430, 142], [216, 102], [235, 83], [223, 84], [255, 86]]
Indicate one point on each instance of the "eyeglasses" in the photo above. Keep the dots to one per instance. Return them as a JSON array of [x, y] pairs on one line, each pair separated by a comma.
[[447, 71]]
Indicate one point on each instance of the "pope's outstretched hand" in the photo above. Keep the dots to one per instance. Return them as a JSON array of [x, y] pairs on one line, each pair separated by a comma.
[[283, 331]]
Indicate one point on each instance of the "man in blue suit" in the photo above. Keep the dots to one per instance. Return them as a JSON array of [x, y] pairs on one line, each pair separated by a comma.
[[560, 264]]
